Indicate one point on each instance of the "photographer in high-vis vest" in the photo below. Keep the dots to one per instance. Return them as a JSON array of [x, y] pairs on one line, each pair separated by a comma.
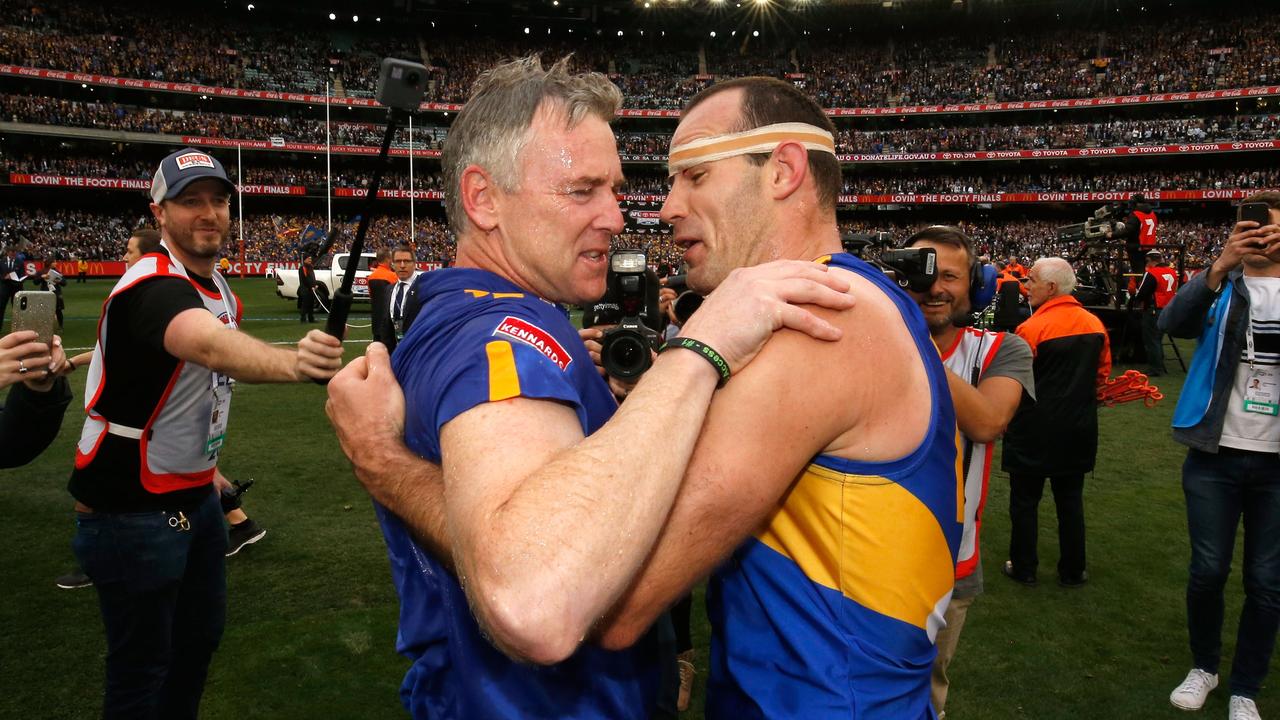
[[158, 397], [989, 374]]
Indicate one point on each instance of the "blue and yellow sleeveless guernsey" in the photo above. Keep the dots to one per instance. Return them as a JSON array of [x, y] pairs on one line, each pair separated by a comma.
[[831, 609], [479, 339]]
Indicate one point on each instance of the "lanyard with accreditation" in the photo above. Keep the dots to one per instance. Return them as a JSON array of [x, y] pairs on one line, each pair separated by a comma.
[[1260, 392]]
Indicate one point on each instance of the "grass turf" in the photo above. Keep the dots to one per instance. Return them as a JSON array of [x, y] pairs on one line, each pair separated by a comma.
[[312, 612]]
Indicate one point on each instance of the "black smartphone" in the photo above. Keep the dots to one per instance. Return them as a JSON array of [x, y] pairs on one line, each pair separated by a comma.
[[1257, 212]]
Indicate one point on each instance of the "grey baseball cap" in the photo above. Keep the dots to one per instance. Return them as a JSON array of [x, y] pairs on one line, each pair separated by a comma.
[[181, 168]]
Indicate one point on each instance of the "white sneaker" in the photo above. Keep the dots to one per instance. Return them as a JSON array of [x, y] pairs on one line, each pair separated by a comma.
[[1191, 693], [1242, 708]]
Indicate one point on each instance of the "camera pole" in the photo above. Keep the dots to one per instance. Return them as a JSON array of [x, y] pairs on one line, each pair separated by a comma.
[[342, 298]]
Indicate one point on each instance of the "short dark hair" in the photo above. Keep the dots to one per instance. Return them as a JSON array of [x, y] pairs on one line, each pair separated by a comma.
[[766, 101], [148, 240], [1270, 197], [404, 248], [944, 235], [383, 256]]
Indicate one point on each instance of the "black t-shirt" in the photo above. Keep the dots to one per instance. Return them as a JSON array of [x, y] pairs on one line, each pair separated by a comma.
[[137, 371]]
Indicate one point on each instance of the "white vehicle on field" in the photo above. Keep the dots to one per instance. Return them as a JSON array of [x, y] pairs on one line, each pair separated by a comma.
[[328, 280]]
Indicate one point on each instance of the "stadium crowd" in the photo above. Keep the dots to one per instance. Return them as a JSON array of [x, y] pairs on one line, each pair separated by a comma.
[[76, 234], [839, 69], [291, 128]]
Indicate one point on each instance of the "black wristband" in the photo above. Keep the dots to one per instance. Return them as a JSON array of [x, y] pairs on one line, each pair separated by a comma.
[[711, 356]]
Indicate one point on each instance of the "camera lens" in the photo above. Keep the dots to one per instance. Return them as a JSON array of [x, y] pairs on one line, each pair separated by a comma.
[[24, 304], [413, 79], [625, 354]]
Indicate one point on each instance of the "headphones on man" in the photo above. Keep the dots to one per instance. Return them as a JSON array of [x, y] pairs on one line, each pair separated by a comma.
[[949, 234]]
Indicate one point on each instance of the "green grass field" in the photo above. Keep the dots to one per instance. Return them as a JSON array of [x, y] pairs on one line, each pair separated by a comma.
[[312, 612]]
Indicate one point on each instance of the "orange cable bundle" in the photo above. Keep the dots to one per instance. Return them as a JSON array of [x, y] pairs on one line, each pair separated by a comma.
[[1130, 386]]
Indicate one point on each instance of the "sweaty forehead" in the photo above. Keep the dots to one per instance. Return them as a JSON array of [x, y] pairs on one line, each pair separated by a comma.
[[587, 150], [719, 114]]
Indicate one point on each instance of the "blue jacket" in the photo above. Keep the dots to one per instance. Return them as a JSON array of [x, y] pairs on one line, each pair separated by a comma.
[[1220, 321]]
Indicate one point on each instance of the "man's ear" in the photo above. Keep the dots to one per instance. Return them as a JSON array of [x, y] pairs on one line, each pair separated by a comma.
[[157, 212], [479, 196], [788, 168]]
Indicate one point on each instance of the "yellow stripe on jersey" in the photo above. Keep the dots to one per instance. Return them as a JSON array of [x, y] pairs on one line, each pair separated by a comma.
[[496, 295], [868, 538], [504, 381], [960, 470]]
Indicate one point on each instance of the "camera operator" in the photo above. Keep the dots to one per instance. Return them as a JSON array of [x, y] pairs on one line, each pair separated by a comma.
[[150, 530], [1159, 283], [1138, 231], [1227, 418], [988, 374]]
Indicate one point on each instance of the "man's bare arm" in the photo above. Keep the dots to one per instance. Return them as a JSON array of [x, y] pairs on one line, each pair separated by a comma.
[[366, 408], [549, 528], [797, 399], [197, 336], [983, 412]]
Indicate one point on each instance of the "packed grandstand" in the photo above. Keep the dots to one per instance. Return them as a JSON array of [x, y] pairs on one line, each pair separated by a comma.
[[1008, 120]]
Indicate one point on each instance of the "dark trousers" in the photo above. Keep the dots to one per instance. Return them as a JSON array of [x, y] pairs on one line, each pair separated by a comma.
[[1151, 345], [306, 305], [1221, 489], [162, 591], [1024, 513]]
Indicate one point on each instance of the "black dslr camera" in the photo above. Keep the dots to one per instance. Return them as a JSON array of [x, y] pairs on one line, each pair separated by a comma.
[[631, 303], [914, 269]]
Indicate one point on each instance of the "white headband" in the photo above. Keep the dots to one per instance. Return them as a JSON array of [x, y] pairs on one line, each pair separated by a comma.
[[757, 140]]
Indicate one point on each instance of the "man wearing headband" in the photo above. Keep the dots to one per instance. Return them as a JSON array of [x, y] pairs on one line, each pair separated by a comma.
[[829, 468], [549, 501]]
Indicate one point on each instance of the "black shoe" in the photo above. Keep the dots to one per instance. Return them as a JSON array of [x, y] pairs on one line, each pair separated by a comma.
[[1073, 583], [73, 580], [1007, 570], [246, 533]]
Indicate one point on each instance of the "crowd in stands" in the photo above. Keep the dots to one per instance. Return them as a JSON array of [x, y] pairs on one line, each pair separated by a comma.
[[1112, 133], [66, 113], [292, 128], [262, 170], [1187, 179], [60, 234], [72, 234], [1160, 54]]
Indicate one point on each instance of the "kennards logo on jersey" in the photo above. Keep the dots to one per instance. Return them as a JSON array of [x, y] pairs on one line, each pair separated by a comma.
[[530, 334]]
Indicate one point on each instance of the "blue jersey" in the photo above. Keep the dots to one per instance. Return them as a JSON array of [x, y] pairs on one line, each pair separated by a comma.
[[479, 339], [831, 609]]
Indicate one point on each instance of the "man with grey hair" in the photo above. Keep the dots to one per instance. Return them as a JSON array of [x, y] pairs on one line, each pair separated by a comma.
[[1057, 437], [548, 503]]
